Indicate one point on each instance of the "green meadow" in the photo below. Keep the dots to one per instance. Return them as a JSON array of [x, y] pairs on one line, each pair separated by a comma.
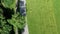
[[43, 16]]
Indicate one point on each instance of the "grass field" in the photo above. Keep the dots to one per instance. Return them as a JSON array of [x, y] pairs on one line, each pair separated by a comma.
[[43, 16]]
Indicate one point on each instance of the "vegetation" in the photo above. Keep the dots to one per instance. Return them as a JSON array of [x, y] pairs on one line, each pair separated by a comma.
[[10, 19], [43, 16]]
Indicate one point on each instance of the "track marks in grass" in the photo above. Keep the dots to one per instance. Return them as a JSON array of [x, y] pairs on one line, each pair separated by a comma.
[[51, 27], [41, 18]]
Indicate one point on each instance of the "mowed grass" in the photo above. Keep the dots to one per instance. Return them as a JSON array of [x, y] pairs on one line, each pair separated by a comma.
[[57, 13], [43, 16]]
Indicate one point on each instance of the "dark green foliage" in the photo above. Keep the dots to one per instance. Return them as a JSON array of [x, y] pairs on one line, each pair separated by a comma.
[[9, 3], [9, 17], [17, 20], [4, 28]]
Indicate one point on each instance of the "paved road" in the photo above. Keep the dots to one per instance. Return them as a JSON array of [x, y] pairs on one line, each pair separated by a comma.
[[26, 30], [26, 27]]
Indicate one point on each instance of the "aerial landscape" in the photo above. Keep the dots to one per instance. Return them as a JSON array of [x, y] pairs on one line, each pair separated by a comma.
[[29, 16]]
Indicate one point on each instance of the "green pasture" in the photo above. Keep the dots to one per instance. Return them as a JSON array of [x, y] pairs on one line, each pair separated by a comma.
[[43, 16]]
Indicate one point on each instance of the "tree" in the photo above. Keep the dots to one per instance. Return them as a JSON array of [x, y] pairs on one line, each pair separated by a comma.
[[10, 18]]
